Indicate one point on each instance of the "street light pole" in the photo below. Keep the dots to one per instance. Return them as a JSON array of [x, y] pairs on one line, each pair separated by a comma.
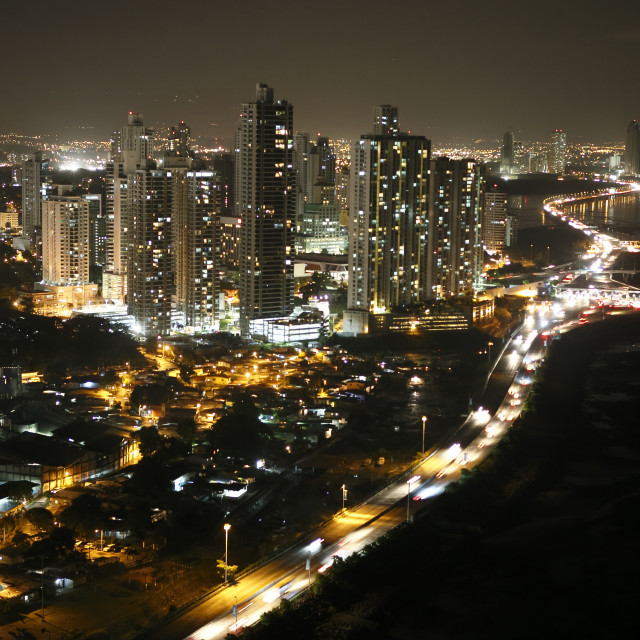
[[424, 422], [226, 550], [410, 482], [344, 495]]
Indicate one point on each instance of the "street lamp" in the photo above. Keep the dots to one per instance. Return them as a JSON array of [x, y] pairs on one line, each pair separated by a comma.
[[424, 422], [344, 495], [490, 344], [226, 550], [410, 482]]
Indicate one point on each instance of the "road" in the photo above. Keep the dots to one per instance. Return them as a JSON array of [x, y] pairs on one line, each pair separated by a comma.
[[350, 531]]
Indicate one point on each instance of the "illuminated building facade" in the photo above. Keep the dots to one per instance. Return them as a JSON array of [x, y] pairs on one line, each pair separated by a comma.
[[385, 120], [494, 226], [265, 195], [65, 240], [150, 282], [193, 226], [388, 222], [455, 199], [131, 149], [558, 153]]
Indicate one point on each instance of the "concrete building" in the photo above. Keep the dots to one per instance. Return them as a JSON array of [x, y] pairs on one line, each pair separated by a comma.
[[494, 226], [150, 281], [131, 149], [265, 197], [34, 178], [558, 152], [388, 222], [193, 226], [65, 240], [456, 198], [385, 120], [632, 149], [507, 154]]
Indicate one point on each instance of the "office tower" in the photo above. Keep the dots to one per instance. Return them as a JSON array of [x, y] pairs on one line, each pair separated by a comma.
[[193, 226], [150, 287], [130, 150], [455, 203], [558, 153], [265, 194], [388, 223], [632, 150], [65, 240], [34, 179], [494, 227], [506, 154], [385, 120]]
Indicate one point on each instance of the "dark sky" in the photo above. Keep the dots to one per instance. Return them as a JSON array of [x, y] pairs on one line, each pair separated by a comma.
[[459, 70]]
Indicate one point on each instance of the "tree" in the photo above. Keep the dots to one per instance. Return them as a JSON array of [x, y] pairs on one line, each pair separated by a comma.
[[240, 432], [62, 539], [151, 477], [84, 515], [231, 569], [149, 441], [40, 518], [19, 490], [186, 429]]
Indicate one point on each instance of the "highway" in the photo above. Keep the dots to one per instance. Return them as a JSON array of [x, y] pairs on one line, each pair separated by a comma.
[[292, 571]]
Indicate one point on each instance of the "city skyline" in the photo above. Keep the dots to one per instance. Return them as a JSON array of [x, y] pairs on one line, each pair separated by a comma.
[[458, 72]]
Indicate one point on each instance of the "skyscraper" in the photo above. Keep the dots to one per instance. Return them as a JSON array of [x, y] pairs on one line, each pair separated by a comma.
[[558, 153], [33, 175], [494, 227], [265, 196], [179, 141], [455, 201], [65, 240], [506, 154], [632, 149], [130, 150], [388, 222], [194, 243], [150, 276], [385, 120]]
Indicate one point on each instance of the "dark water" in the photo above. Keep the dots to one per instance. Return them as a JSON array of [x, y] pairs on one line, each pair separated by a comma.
[[616, 214]]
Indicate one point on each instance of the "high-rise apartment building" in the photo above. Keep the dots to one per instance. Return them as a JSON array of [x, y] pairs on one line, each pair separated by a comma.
[[179, 143], [65, 240], [131, 149], [388, 222], [494, 226], [385, 120], [558, 152], [507, 154], [265, 195], [150, 281], [194, 242], [632, 149], [455, 200], [34, 172]]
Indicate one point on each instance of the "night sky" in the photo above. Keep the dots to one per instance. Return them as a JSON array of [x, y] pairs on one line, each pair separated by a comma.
[[459, 71]]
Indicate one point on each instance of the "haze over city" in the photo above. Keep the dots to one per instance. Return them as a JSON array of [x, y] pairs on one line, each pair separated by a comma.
[[459, 72]]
